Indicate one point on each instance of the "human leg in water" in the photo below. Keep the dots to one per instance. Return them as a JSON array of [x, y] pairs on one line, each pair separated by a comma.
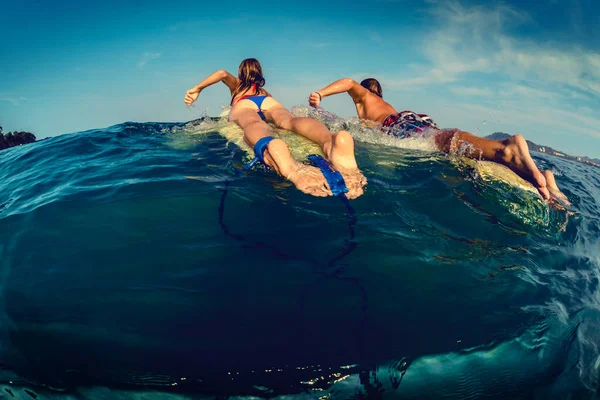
[[337, 147], [512, 152], [306, 178], [553, 188]]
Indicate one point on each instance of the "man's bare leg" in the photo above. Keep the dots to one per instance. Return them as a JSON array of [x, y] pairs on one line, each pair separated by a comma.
[[553, 188], [512, 152], [307, 179]]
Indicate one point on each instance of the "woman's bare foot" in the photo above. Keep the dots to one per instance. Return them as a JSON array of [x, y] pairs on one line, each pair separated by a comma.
[[340, 152], [355, 182], [306, 178], [553, 188], [515, 156], [309, 180]]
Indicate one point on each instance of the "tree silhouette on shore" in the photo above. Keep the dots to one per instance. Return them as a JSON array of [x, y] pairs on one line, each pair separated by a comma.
[[15, 138]]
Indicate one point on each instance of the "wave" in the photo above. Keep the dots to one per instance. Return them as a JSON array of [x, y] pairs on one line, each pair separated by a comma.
[[141, 247]]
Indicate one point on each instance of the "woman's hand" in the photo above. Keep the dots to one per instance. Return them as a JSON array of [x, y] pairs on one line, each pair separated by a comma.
[[314, 100], [191, 96]]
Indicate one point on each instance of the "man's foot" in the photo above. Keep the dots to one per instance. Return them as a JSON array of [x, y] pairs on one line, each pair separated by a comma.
[[340, 152], [553, 188], [515, 156]]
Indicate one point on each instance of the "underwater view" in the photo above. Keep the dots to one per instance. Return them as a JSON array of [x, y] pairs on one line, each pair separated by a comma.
[[140, 261]]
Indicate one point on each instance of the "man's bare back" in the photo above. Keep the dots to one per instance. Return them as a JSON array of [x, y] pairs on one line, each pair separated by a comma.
[[368, 105]]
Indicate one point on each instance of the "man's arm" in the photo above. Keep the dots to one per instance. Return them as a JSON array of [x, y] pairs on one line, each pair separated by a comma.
[[354, 89], [217, 76]]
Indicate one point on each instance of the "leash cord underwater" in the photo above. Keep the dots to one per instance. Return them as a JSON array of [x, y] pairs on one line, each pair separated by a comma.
[[329, 269]]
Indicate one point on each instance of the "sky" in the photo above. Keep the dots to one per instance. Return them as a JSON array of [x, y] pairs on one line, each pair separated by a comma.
[[483, 66]]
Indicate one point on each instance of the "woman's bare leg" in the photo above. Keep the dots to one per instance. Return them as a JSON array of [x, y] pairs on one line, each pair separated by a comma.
[[512, 152], [277, 155], [338, 147]]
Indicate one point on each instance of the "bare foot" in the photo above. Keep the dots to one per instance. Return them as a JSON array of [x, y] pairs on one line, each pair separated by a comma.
[[340, 152], [307, 179], [553, 188], [516, 157], [355, 182]]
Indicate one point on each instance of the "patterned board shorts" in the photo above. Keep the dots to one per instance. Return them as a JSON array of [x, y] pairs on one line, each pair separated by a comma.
[[406, 124]]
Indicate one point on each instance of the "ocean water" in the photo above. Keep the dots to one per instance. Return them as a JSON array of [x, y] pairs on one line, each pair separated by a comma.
[[137, 261]]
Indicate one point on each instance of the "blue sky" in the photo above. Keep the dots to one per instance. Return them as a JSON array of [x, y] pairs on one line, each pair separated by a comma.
[[482, 66]]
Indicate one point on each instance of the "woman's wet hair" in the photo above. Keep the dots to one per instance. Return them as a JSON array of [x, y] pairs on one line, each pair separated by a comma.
[[373, 86], [250, 76]]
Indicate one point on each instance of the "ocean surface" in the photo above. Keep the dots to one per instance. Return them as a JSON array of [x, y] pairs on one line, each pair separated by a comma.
[[138, 261]]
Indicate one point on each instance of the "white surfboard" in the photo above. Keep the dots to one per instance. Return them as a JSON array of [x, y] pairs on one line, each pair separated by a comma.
[[300, 147]]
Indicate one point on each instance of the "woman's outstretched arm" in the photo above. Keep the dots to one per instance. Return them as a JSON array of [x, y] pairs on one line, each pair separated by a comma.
[[354, 89], [217, 76]]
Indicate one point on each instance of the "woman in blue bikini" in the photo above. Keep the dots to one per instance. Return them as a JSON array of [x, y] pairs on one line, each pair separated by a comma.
[[253, 107]]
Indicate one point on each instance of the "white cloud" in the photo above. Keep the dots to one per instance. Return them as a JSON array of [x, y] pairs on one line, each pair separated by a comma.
[[594, 60], [11, 100], [544, 90], [520, 91], [146, 58], [472, 91], [478, 39], [14, 100], [517, 117]]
